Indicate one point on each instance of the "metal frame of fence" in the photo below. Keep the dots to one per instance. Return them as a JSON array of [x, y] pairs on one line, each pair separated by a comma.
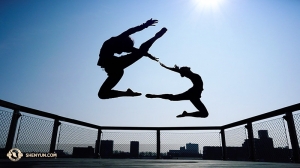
[[97, 130]]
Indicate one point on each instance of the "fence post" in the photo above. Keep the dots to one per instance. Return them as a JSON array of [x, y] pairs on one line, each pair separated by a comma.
[[12, 130], [54, 135], [293, 136], [97, 146], [157, 144], [223, 144], [251, 141]]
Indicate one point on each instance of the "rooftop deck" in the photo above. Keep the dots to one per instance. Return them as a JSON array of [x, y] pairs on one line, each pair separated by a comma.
[[138, 163]]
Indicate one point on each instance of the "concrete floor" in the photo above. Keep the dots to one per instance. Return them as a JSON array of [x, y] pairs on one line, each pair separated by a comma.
[[137, 163]]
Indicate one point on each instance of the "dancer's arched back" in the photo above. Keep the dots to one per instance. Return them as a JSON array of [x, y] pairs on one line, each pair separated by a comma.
[[114, 66], [193, 94]]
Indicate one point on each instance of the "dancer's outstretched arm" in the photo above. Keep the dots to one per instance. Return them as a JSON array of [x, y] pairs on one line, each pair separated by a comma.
[[175, 68], [133, 30]]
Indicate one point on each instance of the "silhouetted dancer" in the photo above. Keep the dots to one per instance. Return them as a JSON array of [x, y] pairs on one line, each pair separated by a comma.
[[114, 66], [193, 94]]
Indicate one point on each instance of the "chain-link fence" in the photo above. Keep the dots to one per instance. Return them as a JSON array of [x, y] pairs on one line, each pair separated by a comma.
[[297, 125], [76, 141], [270, 141], [128, 144], [33, 134], [235, 139], [192, 144], [5, 119]]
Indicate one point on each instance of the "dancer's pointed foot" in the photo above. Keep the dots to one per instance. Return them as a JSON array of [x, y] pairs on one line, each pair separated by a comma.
[[161, 32], [184, 114], [131, 93], [150, 96]]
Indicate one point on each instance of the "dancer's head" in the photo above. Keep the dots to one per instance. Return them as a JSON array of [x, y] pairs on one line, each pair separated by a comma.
[[184, 71], [124, 44]]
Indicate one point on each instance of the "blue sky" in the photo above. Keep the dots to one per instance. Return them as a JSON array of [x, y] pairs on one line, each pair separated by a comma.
[[246, 51]]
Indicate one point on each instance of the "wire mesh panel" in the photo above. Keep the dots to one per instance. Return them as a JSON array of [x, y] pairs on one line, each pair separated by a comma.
[[236, 144], [76, 141], [125, 144], [5, 119], [297, 125], [194, 144], [270, 141], [34, 134]]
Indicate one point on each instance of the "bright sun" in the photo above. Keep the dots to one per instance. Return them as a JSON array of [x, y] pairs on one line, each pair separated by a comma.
[[208, 3]]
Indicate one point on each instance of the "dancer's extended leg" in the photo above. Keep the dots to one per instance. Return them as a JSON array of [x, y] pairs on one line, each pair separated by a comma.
[[129, 59], [162, 96], [106, 91], [178, 97], [115, 74], [203, 113]]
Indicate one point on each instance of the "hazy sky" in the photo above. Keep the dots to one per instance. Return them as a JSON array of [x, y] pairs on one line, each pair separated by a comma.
[[246, 51]]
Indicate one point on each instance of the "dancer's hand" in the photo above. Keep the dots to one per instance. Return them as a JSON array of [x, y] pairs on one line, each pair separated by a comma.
[[152, 57], [151, 22], [163, 65], [175, 69]]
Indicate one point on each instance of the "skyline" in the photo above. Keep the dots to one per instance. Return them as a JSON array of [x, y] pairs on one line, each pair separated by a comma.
[[143, 147], [245, 51]]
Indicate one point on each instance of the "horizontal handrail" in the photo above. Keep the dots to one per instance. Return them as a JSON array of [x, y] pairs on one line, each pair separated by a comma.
[[274, 113], [160, 128], [44, 114], [60, 118]]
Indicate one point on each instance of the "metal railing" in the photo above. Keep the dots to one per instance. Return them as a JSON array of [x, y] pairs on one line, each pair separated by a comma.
[[252, 139]]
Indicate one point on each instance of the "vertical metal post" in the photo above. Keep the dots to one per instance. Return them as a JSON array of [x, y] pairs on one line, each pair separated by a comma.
[[251, 141], [12, 130], [158, 144], [54, 135], [97, 146], [223, 144], [293, 136]]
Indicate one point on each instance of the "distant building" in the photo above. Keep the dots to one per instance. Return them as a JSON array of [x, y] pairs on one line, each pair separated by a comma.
[[263, 134], [134, 149], [61, 154], [263, 148], [237, 153], [212, 152], [106, 148], [83, 152], [232, 153], [174, 153], [191, 150]]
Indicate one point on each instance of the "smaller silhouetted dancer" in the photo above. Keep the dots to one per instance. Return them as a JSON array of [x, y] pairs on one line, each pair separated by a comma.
[[193, 94], [114, 66]]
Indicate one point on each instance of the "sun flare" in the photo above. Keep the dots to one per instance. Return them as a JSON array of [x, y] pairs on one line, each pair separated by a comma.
[[208, 3]]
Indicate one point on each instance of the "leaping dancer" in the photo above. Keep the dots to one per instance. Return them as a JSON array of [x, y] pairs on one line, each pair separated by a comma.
[[193, 94], [114, 66]]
